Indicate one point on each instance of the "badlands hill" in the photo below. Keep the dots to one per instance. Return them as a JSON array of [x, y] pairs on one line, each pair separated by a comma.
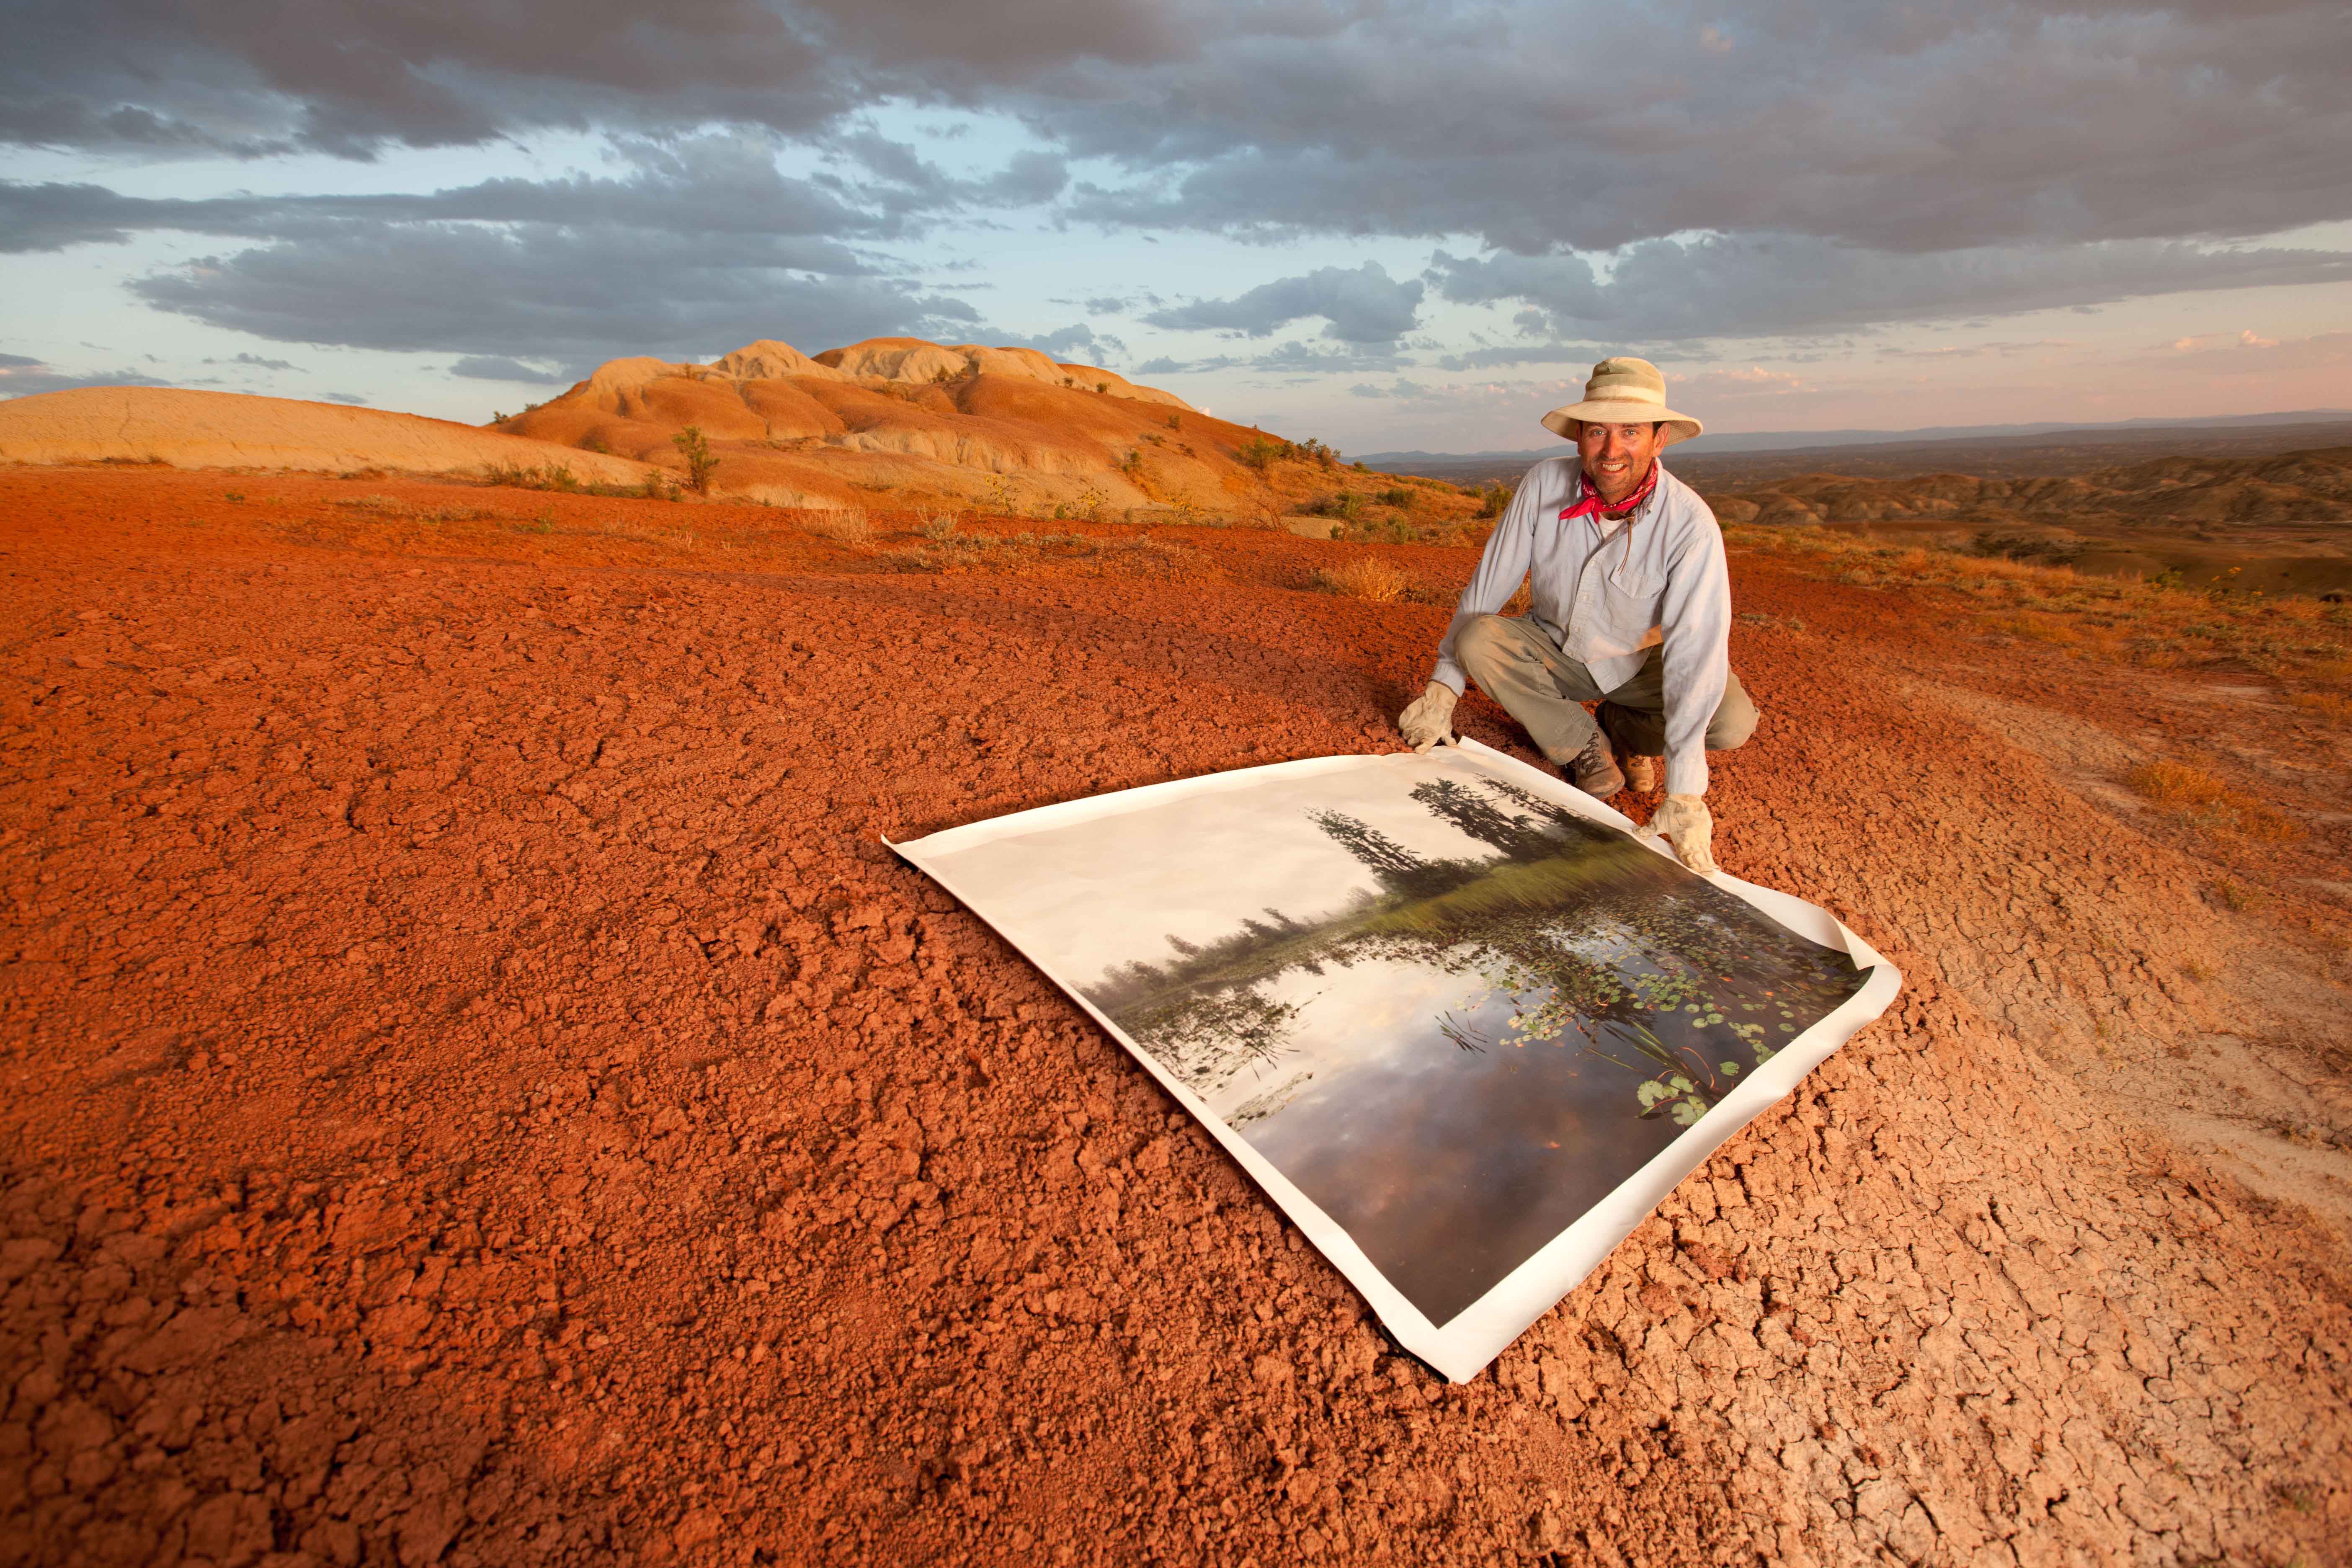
[[191, 429], [902, 422], [2188, 492], [894, 422], [2281, 523]]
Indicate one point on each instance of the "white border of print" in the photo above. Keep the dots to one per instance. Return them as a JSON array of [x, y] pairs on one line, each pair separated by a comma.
[[1461, 1347]]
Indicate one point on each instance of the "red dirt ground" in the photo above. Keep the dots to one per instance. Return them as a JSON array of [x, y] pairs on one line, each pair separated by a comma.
[[476, 1091]]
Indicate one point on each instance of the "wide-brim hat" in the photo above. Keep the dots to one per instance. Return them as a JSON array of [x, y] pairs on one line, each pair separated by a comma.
[[1624, 391]]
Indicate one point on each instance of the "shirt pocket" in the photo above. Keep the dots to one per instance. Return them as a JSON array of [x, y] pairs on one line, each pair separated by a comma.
[[1626, 619]]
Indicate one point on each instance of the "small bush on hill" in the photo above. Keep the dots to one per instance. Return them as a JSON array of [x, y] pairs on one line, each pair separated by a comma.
[[1366, 577], [1347, 505], [2208, 800], [850, 527], [554, 476], [700, 461]]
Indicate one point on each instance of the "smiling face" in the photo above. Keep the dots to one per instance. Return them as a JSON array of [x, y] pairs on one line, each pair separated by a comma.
[[1618, 457]]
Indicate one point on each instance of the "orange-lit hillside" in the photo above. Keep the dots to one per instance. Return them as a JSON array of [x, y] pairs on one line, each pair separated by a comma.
[[899, 421]]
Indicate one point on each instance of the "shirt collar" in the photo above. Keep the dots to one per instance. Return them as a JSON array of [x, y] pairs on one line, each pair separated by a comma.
[[1590, 504]]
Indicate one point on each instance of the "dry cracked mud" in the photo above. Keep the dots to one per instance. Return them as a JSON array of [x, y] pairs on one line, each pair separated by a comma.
[[477, 1089]]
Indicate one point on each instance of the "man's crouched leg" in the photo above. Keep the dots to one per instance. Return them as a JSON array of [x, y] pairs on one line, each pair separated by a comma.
[[1526, 675], [1635, 719]]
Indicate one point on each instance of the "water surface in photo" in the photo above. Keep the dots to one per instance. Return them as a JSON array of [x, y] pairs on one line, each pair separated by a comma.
[[1454, 1014]]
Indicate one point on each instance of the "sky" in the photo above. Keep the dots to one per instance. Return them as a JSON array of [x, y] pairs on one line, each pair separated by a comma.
[[1391, 224], [1107, 891], [1217, 854]]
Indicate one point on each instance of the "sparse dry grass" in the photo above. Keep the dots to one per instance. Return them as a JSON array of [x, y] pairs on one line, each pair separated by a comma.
[[1403, 528], [2333, 706], [1772, 623], [394, 507], [656, 486], [2302, 643], [2236, 896], [1366, 577], [1090, 554], [748, 536], [2200, 795], [2033, 627], [851, 527]]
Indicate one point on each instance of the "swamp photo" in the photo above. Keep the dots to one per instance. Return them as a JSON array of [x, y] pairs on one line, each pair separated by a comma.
[[1453, 1014]]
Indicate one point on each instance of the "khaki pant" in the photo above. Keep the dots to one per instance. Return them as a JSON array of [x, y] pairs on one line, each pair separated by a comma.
[[1515, 662]]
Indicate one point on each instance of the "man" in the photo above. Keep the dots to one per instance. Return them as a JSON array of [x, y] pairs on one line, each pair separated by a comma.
[[1631, 609]]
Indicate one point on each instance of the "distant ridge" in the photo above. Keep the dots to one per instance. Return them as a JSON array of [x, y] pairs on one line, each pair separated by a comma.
[[1806, 440]]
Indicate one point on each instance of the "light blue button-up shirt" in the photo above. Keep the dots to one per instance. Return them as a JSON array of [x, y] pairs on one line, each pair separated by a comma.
[[1608, 592]]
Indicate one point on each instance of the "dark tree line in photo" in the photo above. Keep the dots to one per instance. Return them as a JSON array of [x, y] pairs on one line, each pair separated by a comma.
[[1590, 940]]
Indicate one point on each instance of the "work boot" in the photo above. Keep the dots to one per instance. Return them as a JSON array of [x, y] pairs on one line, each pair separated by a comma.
[[1641, 769], [1595, 770]]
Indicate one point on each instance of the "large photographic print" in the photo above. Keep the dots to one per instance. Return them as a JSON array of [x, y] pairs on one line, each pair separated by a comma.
[[1453, 1006]]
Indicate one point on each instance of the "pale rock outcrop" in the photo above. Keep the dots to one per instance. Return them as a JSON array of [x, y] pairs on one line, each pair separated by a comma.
[[616, 376], [897, 359], [965, 451], [913, 360], [1026, 364], [768, 360]]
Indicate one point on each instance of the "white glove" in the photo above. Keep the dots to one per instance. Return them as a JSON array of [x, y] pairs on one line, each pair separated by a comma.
[[1429, 722], [1684, 822]]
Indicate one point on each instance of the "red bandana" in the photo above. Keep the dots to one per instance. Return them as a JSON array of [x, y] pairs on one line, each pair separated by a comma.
[[1591, 504]]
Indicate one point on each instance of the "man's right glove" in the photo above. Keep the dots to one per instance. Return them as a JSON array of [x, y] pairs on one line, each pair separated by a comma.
[[1684, 822], [1429, 722]]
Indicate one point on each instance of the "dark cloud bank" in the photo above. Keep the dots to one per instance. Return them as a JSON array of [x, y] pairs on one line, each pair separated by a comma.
[[1768, 170]]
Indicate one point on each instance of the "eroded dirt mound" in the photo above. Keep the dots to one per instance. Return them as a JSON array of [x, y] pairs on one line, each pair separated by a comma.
[[479, 1091], [191, 429], [901, 421]]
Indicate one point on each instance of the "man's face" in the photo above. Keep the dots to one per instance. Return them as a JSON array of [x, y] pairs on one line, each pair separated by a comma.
[[1618, 457]]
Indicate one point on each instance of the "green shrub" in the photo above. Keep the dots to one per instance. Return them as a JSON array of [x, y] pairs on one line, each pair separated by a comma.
[[1257, 453], [1347, 505], [700, 461], [555, 477]]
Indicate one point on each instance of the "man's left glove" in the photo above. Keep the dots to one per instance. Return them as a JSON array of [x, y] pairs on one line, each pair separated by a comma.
[[1429, 720], [1684, 822]]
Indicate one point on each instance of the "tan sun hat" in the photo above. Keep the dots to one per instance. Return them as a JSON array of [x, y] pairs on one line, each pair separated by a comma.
[[1624, 391]]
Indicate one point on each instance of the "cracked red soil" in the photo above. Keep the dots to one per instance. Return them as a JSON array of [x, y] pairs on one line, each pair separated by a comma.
[[476, 1091]]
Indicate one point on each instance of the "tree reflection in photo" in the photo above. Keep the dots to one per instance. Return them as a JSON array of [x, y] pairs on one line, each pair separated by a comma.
[[1589, 941]]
